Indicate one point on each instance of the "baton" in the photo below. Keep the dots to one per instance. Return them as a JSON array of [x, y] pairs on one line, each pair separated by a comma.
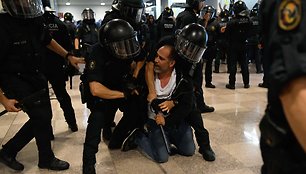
[[29, 99], [165, 139]]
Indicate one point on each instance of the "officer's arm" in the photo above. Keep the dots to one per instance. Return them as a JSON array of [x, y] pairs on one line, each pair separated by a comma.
[[139, 65], [9, 104], [55, 47], [101, 91], [76, 43], [293, 98], [149, 75]]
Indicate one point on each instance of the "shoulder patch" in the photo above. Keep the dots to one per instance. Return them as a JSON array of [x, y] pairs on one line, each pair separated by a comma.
[[289, 14], [92, 65]]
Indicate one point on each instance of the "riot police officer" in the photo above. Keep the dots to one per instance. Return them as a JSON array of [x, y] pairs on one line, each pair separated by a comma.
[[283, 130], [110, 81], [188, 16], [55, 66], [166, 24], [68, 20], [130, 11], [253, 40], [86, 33], [22, 38], [222, 41], [237, 30], [209, 21]]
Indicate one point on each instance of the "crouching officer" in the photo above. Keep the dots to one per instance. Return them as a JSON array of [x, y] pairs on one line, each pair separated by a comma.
[[283, 128], [22, 38], [111, 85]]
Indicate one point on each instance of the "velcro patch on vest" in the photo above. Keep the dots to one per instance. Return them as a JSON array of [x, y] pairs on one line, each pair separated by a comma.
[[289, 14]]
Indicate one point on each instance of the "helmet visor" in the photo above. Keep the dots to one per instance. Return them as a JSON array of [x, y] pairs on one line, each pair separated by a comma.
[[125, 49], [188, 50], [132, 13], [88, 15], [23, 8]]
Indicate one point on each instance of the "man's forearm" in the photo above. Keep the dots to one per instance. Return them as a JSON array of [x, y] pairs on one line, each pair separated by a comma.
[[101, 91], [2, 96], [149, 75], [55, 47]]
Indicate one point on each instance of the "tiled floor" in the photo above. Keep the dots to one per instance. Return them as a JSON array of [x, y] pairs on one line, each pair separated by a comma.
[[233, 131]]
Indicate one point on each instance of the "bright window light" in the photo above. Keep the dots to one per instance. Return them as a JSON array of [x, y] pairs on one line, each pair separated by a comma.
[[102, 3]]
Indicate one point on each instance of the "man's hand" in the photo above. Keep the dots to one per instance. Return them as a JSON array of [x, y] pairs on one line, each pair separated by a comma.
[[160, 120], [151, 96], [74, 61], [166, 106], [10, 105]]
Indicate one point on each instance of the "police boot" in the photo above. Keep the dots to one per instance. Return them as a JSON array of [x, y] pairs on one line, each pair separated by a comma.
[[73, 127], [55, 164], [207, 153], [216, 69], [10, 161]]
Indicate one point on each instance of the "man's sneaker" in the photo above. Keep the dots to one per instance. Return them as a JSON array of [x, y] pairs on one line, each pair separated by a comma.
[[129, 142], [246, 86], [73, 127], [208, 154], [229, 86], [210, 85], [9, 161], [206, 109], [55, 164], [89, 169]]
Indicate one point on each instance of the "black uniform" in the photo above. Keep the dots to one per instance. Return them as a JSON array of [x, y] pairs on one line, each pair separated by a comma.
[[252, 43], [71, 30], [165, 27], [237, 30], [184, 18], [222, 44], [285, 47], [87, 33], [55, 66], [210, 52], [21, 43], [109, 71]]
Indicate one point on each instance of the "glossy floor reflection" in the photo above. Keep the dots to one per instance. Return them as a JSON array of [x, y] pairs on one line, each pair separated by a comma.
[[233, 131]]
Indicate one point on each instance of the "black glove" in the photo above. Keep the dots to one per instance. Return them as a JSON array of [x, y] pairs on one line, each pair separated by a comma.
[[154, 105], [129, 85], [76, 52]]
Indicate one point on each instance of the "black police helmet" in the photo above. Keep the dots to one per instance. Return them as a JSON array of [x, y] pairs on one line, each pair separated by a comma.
[[88, 14], [224, 13], [120, 38], [23, 9], [131, 10], [167, 12], [68, 17], [191, 42], [239, 7], [208, 9]]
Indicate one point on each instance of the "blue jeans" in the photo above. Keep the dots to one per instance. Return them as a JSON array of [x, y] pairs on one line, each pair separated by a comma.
[[154, 146]]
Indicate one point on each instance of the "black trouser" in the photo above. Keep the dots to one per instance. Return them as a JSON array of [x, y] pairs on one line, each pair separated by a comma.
[[58, 82], [237, 53], [253, 54], [201, 134], [102, 114], [209, 56], [39, 124], [198, 81]]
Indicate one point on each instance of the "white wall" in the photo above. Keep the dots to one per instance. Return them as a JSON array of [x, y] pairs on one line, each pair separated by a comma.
[[77, 10]]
